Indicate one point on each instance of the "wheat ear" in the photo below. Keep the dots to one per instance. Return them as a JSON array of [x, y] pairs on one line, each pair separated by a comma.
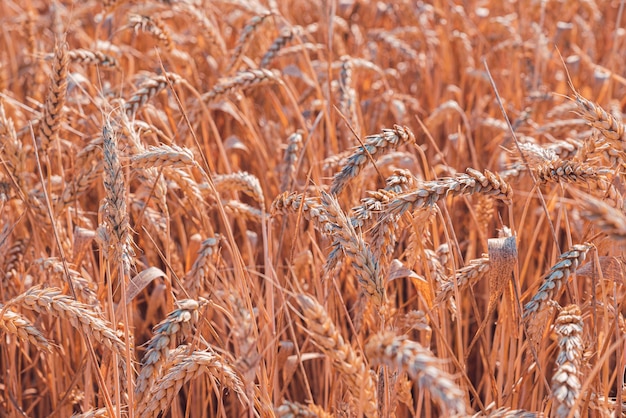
[[14, 323], [182, 369], [610, 220], [430, 192], [536, 310], [290, 160], [246, 34], [115, 231], [55, 100], [351, 366], [152, 25], [421, 365], [566, 383], [597, 117], [178, 323], [147, 90], [373, 147], [241, 81]]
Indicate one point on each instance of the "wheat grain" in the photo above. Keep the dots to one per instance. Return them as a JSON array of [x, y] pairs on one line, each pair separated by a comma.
[[196, 278], [285, 36], [248, 31], [152, 25], [172, 156], [600, 119], [240, 182], [465, 277], [115, 228], [290, 160], [147, 90]]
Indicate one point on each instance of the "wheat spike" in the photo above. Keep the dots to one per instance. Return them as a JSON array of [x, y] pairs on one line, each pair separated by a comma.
[[177, 324], [351, 366], [241, 81], [430, 192], [55, 100], [14, 323], [566, 383], [421, 365], [536, 310], [182, 369], [374, 146], [147, 90]]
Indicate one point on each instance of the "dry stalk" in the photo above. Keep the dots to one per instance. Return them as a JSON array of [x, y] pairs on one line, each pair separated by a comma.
[[351, 366]]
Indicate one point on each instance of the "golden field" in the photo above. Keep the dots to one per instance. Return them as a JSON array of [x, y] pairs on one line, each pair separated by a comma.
[[351, 208]]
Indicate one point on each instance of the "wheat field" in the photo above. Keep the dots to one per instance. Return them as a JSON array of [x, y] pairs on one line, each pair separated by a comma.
[[334, 208]]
